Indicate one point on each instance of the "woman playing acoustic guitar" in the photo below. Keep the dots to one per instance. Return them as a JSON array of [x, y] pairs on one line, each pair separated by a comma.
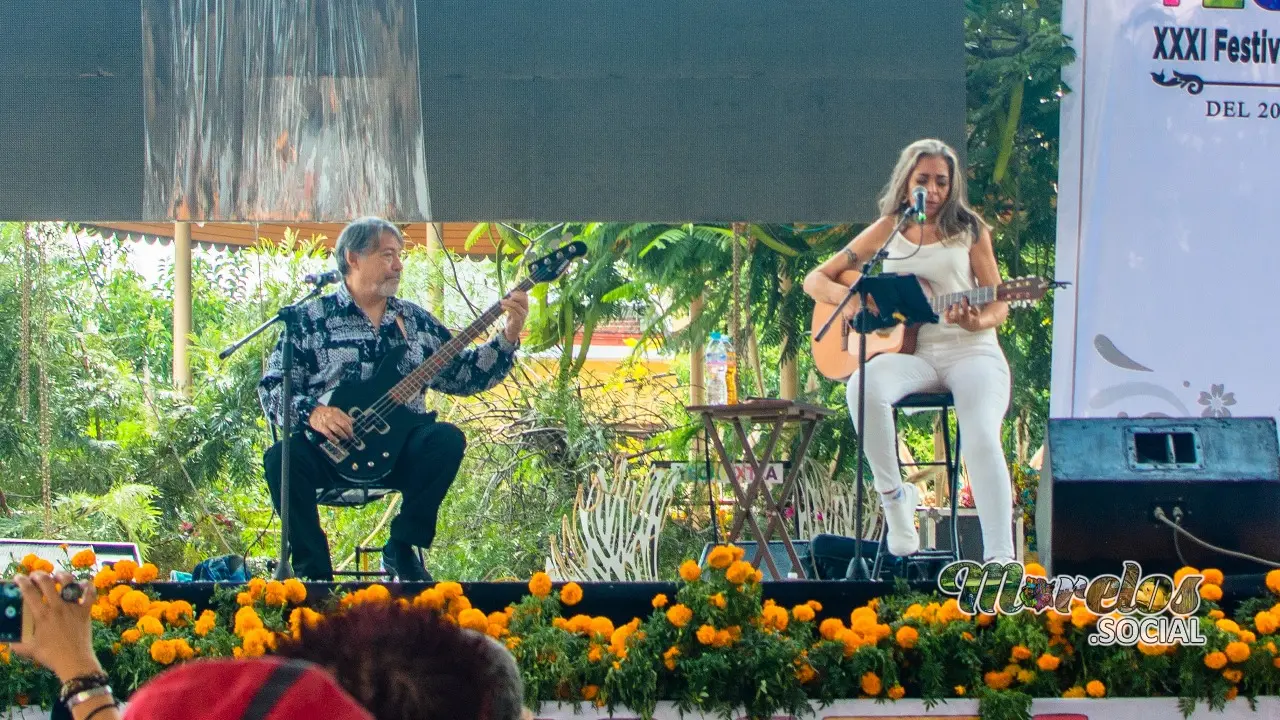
[[952, 251]]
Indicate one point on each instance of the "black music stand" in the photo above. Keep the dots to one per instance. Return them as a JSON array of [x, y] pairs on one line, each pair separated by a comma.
[[898, 298]]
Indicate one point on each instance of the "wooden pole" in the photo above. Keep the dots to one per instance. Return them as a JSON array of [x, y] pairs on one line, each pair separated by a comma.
[[181, 305]]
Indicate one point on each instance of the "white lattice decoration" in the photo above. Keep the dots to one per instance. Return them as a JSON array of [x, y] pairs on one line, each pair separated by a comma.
[[612, 533]]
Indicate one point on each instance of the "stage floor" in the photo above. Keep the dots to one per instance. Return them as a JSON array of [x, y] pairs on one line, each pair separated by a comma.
[[623, 601]]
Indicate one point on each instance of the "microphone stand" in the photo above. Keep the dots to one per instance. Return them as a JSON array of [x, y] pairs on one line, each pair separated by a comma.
[[858, 566], [287, 316]]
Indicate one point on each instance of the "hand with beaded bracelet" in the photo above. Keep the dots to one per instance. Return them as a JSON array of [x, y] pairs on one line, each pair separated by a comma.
[[62, 641]]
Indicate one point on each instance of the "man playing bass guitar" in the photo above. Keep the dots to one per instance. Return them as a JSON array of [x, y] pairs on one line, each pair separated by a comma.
[[341, 337]]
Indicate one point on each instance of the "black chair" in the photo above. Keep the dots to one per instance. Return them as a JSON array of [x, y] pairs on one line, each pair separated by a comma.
[[926, 563], [347, 494]]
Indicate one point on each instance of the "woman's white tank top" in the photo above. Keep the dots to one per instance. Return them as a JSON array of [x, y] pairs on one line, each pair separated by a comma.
[[947, 268]]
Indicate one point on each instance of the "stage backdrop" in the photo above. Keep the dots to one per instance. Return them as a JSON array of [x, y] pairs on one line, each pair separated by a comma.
[[1168, 224], [465, 110]]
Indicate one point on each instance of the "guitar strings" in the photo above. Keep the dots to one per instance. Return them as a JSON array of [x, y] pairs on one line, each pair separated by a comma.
[[387, 400]]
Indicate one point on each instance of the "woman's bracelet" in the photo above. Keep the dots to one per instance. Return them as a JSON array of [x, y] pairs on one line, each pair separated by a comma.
[[86, 695], [82, 683]]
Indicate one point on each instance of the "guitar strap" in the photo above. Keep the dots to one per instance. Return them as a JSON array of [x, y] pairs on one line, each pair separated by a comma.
[[400, 323]]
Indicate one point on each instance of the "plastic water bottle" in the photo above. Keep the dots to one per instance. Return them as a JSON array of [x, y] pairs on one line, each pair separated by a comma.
[[730, 371], [715, 367]]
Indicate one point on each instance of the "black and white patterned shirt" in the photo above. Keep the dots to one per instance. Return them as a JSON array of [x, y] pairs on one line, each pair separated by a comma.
[[336, 343]]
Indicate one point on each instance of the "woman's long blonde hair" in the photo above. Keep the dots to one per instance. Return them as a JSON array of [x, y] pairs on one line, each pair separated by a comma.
[[956, 219]]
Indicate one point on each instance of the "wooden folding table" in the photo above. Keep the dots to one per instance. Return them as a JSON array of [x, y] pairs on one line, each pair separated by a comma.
[[778, 414]]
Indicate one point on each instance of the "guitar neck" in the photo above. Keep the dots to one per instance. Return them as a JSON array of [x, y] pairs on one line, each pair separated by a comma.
[[415, 382], [976, 297]]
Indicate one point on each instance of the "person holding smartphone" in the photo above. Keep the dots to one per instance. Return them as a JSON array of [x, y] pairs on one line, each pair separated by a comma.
[[59, 635]]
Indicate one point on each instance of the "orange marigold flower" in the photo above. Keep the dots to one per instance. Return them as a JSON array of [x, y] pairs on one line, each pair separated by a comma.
[[960, 690], [739, 572], [1229, 626], [244, 599], [147, 573], [1215, 660], [1020, 653], [805, 673], [150, 626], [802, 613], [179, 612], [540, 585], [163, 652], [690, 571], [1273, 581], [104, 612], [473, 619], [1151, 650], [571, 594], [1211, 592], [135, 603], [706, 634], [1035, 569], [105, 578], [1074, 691], [997, 680], [246, 621], [907, 637], [1247, 637], [679, 615], [870, 684], [1232, 675], [815, 605], [659, 601], [450, 589], [830, 628], [602, 626], [896, 692], [84, 559], [1216, 614], [1095, 688], [1265, 622], [432, 599], [118, 592], [718, 600], [207, 622], [1237, 652], [1048, 662], [669, 657], [274, 595], [1213, 576], [294, 591], [720, 557], [131, 636]]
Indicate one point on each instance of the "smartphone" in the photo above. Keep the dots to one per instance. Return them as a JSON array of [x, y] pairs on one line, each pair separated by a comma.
[[15, 625]]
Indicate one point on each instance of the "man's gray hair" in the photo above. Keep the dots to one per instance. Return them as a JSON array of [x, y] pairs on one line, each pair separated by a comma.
[[359, 236], [505, 692]]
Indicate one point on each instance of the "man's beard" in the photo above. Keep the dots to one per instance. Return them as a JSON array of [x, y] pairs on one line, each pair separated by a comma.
[[388, 288]]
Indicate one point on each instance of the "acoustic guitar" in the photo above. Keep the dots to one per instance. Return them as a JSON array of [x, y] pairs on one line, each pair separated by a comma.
[[836, 355], [377, 405]]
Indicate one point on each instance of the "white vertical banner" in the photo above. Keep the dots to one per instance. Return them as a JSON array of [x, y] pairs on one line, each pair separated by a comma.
[[1169, 210]]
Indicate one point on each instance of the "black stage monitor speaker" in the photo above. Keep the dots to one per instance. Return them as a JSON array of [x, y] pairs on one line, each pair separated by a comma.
[[1103, 479]]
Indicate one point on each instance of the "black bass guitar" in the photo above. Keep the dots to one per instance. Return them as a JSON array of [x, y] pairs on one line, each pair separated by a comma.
[[377, 406]]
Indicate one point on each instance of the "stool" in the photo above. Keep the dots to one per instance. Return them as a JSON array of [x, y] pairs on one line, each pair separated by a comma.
[[943, 402]]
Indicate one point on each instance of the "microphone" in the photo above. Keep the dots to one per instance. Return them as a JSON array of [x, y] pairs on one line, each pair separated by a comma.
[[918, 194], [322, 279]]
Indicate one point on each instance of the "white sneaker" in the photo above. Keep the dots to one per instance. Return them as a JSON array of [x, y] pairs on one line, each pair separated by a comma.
[[900, 514]]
